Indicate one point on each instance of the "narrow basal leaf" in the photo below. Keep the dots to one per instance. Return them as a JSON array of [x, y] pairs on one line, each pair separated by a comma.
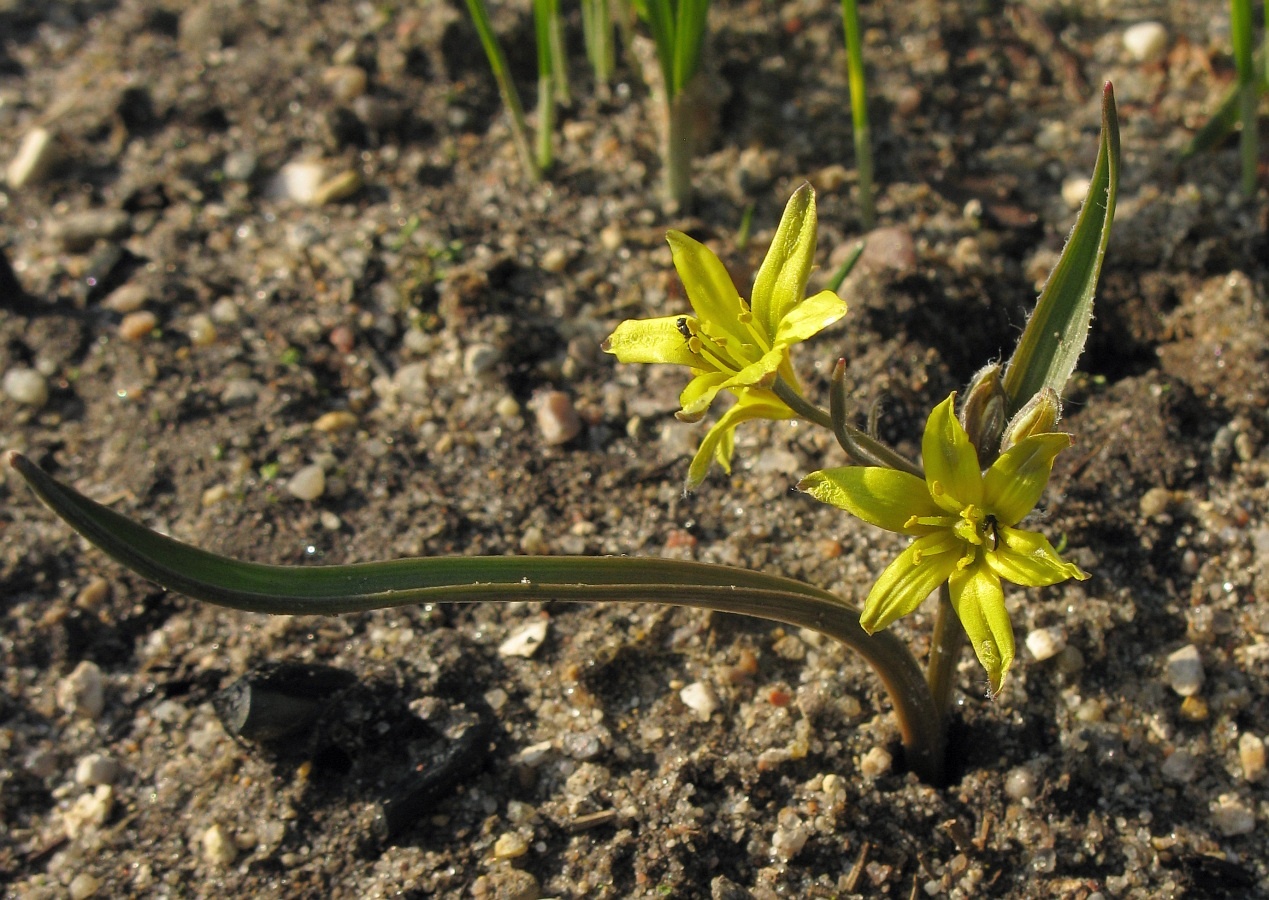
[[1055, 335]]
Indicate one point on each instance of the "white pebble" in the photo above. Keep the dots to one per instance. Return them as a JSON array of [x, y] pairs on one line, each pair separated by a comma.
[[480, 359], [308, 483], [95, 769], [1185, 671], [1232, 817], [201, 330], [83, 691], [1074, 190], [700, 698], [1146, 41], [789, 838], [1045, 643], [298, 181], [1251, 753], [876, 762], [555, 260], [218, 845], [83, 886], [34, 160], [1020, 784], [26, 386], [1181, 767], [89, 811], [557, 420], [526, 641]]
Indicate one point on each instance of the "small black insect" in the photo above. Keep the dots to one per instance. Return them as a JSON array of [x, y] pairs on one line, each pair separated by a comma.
[[993, 528], [681, 324]]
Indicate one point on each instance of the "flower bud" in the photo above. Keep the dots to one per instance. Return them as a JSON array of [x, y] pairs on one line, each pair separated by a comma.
[[983, 413], [1039, 416]]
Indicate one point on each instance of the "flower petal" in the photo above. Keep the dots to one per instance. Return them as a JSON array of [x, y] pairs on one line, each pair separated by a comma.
[[907, 581], [758, 373], [781, 280], [1015, 481], [1027, 558], [710, 290], [652, 341], [719, 441], [951, 463], [886, 498], [809, 318], [699, 394], [980, 604]]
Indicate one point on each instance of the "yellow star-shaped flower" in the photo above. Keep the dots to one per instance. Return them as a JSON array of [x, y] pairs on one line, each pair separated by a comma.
[[963, 521], [731, 345]]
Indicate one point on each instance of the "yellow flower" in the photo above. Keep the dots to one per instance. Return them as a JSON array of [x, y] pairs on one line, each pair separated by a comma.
[[731, 345], [963, 522]]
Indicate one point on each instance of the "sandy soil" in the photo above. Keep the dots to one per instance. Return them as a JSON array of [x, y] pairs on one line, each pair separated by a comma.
[[203, 339]]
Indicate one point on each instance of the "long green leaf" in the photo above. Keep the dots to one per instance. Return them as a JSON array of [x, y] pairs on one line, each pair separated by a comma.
[[1056, 332], [330, 590]]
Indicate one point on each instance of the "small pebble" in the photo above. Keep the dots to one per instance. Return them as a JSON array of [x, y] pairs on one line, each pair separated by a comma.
[[77, 232], [335, 421], [789, 837], [239, 165], [83, 886], [1045, 643], [346, 82], [1180, 767], [555, 260], [700, 698], [526, 641], [480, 359], [219, 848], [138, 325], [26, 386], [1020, 784], [126, 298], [1155, 502], [94, 594], [36, 158], [297, 181], [558, 422], [510, 846], [876, 761], [1185, 671], [95, 769], [201, 330], [1146, 41], [330, 521], [507, 407], [1194, 709], [612, 237], [217, 493], [1251, 753], [90, 810], [338, 187], [308, 483], [1232, 817], [83, 691], [1074, 190]]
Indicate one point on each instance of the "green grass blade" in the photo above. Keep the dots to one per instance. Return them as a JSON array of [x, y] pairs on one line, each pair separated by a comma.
[[661, 22], [861, 129], [502, 75], [545, 18], [597, 33], [689, 36], [1056, 332], [329, 590], [1244, 47], [1216, 129]]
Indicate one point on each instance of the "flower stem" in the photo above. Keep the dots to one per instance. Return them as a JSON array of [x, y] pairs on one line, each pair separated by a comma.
[[861, 446], [945, 651]]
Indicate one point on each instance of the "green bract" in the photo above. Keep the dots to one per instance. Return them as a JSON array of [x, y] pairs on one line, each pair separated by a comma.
[[963, 521], [730, 344]]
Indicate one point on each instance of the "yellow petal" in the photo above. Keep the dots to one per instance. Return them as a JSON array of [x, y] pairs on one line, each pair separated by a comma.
[[699, 394], [887, 498], [652, 341], [1027, 558], [1015, 481], [951, 464], [907, 581], [719, 441], [980, 605], [709, 288], [781, 280], [809, 318]]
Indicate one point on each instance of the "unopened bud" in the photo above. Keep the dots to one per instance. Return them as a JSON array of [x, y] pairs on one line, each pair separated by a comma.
[[1039, 416], [983, 413]]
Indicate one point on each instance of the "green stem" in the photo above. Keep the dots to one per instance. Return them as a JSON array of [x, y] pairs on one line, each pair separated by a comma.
[[859, 110], [506, 88], [945, 650], [1248, 89], [680, 110], [334, 590], [862, 447]]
